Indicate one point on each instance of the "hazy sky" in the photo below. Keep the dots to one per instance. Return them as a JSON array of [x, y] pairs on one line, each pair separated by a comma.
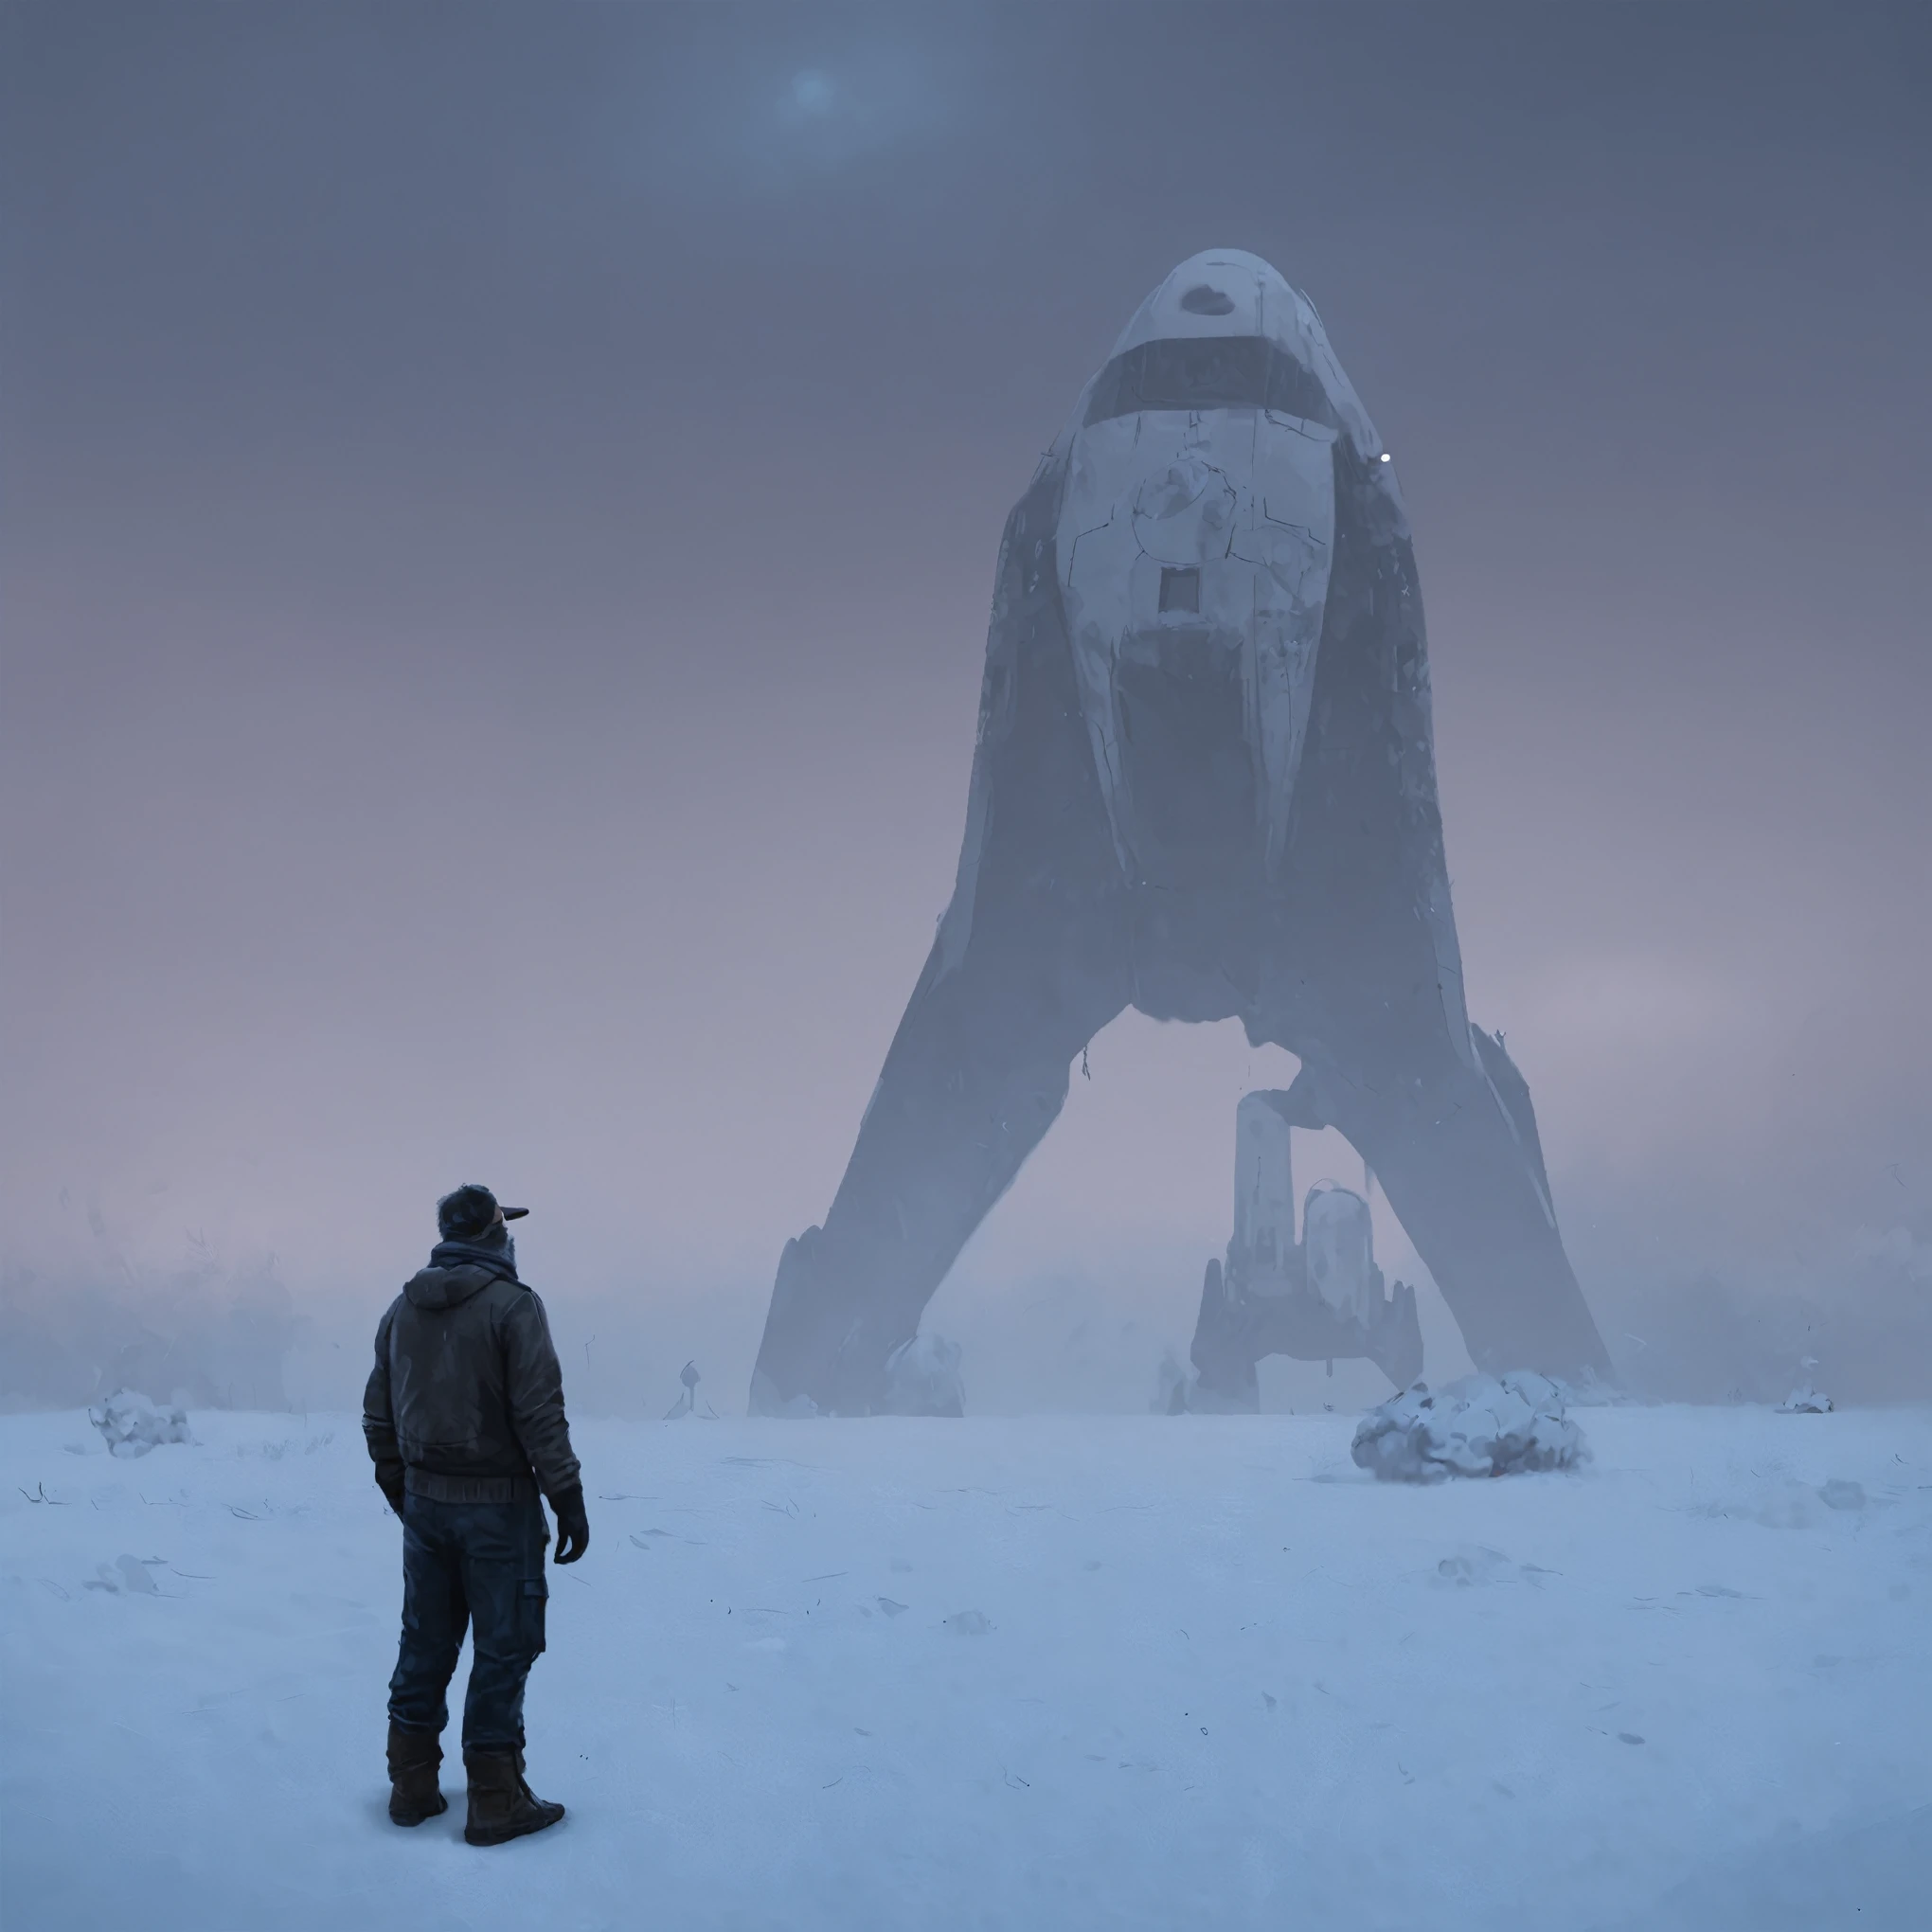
[[500, 512]]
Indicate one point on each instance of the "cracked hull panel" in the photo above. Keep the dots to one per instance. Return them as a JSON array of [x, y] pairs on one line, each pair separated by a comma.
[[1194, 557], [1205, 787]]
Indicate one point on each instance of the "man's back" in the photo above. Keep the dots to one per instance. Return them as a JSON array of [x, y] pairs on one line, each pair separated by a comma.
[[467, 1381]]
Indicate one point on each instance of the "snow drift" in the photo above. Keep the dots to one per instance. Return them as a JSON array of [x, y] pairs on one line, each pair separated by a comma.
[[1482, 1425], [133, 1425]]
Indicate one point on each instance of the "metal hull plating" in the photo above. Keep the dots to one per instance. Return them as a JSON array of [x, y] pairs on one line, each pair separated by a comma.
[[1235, 507]]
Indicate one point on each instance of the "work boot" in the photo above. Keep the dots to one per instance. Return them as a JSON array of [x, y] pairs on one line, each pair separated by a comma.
[[415, 1758], [502, 1806]]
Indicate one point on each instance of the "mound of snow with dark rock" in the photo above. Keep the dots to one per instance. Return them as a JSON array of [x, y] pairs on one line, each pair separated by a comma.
[[133, 1425], [1805, 1401], [1481, 1425]]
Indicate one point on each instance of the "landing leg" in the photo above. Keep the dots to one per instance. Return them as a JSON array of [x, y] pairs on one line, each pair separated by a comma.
[[1455, 1151], [976, 1076]]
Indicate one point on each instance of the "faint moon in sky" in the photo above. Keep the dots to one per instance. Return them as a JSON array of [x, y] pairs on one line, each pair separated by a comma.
[[812, 92]]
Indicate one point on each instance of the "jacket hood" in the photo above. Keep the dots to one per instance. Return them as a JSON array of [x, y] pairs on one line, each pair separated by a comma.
[[448, 1287]]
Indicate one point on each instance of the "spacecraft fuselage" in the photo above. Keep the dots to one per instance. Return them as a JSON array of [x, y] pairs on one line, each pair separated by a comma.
[[1204, 786], [1195, 536]]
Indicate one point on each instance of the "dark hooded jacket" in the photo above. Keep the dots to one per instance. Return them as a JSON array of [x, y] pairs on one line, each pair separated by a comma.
[[467, 1394]]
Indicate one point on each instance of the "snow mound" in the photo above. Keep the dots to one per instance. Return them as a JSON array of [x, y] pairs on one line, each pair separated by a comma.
[[922, 1376], [1805, 1401], [1482, 1425], [133, 1425], [125, 1573]]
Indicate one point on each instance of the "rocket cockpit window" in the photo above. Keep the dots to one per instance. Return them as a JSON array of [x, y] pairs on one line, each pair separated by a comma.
[[1208, 372]]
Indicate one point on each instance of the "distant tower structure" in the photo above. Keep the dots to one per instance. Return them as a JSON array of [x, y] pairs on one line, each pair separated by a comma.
[[1319, 1299]]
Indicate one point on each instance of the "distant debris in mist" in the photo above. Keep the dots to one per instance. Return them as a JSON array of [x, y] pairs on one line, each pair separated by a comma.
[[1864, 1332], [1169, 1386], [686, 1404], [1805, 1401]]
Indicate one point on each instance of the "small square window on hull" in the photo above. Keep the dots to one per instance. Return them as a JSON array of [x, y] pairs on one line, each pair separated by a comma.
[[1180, 590]]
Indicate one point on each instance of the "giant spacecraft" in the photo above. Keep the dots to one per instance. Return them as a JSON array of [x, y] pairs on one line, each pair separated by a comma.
[[1204, 787]]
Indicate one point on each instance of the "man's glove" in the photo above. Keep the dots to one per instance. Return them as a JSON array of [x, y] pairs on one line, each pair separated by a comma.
[[389, 1480], [573, 1526]]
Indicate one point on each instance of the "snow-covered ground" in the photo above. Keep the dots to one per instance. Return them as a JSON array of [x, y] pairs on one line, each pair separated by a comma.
[[1061, 1674]]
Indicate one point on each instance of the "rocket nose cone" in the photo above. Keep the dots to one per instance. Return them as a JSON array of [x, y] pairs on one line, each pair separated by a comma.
[[1219, 292], [1227, 292]]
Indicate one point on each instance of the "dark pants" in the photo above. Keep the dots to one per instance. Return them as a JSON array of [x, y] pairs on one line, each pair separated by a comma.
[[470, 1563]]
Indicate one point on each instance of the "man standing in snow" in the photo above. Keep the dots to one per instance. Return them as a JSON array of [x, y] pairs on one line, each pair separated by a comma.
[[464, 1417]]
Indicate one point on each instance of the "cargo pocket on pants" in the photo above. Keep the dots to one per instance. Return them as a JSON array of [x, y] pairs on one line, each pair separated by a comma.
[[532, 1597]]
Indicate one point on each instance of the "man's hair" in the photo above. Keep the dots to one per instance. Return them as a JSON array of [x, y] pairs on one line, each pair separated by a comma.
[[466, 1214]]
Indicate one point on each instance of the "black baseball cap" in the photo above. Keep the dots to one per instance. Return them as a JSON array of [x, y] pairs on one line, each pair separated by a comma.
[[469, 1210]]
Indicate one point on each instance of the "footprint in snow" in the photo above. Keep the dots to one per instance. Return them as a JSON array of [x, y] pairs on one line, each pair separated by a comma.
[[1472, 1564]]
